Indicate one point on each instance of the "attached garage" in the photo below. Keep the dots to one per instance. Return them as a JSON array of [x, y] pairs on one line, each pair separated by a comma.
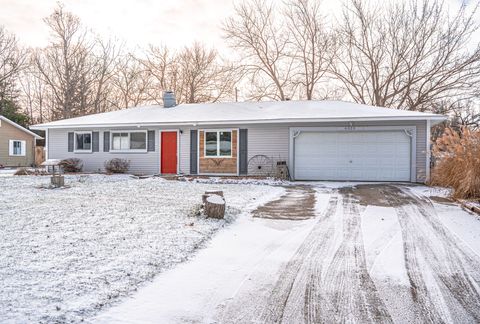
[[366, 154]]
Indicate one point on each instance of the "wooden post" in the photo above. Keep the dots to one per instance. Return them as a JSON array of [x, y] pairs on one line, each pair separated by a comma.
[[215, 206]]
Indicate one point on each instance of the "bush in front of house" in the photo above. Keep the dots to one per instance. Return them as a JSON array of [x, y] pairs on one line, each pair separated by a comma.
[[457, 162], [72, 165], [117, 165], [21, 172]]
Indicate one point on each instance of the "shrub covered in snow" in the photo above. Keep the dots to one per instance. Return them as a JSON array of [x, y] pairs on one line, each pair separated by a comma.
[[21, 171], [72, 165], [457, 156], [117, 165]]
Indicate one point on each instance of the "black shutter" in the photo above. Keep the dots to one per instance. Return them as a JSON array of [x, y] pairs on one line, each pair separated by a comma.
[[193, 151], [243, 152], [95, 142], [106, 141], [70, 142], [151, 141]]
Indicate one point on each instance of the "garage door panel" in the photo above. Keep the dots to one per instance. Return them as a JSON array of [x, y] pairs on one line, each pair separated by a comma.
[[368, 156]]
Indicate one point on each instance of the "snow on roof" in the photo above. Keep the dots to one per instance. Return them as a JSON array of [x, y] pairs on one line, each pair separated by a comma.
[[241, 113], [19, 127]]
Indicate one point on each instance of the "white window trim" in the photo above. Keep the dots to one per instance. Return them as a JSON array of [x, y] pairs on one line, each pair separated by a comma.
[[23, 148], [218, 131], [112, 150], [75, 150]]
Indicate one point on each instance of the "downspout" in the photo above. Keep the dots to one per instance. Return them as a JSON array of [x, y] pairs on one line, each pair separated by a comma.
[[291, 165], [428, 151], [46, 144], [413, 146]]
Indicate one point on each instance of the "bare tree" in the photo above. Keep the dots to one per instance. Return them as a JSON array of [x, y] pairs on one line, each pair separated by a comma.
[[313, 45], [104, 64], [12, 58], [161, 64], [466, 115], [195, 74], [65, 65], [202, 76], [263, 44], [131, 83], [34, 92], [406, 55]]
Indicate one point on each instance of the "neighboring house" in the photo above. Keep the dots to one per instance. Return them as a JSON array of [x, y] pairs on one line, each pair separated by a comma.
[[319, 140], [17, 144]]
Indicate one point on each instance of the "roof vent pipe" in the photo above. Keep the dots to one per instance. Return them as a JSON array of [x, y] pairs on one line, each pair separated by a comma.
[[169, 99]]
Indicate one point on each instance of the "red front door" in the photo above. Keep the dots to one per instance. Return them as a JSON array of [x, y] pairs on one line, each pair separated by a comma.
[[168, 153]]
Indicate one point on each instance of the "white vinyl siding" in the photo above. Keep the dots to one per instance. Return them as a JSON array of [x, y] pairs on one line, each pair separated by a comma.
[[140, 163], [184, 154], [269, 140]]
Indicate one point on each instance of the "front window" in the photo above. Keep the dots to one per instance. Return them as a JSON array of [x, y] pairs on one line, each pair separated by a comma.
[[138, 141], [218, 144], [17, 148], [120, 141], [129, 141], [83, 141]]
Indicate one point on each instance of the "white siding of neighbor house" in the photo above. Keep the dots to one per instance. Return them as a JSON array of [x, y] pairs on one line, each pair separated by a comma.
[[266, 139]]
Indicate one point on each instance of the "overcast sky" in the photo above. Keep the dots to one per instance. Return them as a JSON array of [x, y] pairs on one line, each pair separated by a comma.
[[136, 22]]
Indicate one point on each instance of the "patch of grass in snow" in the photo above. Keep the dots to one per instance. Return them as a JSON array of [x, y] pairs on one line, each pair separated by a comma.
[[67, 253]]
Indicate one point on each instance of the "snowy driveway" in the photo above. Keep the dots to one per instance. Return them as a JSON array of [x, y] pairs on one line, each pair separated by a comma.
[[374, 253]]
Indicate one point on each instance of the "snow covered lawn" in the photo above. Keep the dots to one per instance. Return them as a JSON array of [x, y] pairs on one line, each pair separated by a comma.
[[67, 253], [7, 172]]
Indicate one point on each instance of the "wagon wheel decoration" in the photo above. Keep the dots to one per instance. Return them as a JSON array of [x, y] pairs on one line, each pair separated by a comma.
[[260, 165]]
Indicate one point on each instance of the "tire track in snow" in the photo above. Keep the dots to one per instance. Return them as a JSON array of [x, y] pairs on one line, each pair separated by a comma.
[[426, 239], [455, 266], [348, 293], [291, 283], [421, 295], [327, 279]]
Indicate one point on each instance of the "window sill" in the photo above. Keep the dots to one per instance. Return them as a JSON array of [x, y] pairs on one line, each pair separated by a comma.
[[83, 152], [218, 157], [128, 151]]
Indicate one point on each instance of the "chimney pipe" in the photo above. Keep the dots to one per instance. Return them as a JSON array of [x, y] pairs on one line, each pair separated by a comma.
[[169, 99]]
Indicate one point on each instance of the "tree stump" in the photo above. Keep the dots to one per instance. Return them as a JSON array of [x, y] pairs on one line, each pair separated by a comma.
[[209, 193], [57, 181], [215, 206]]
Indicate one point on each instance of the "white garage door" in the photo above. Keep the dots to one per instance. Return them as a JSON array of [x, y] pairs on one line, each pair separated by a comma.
[[356, 156]]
